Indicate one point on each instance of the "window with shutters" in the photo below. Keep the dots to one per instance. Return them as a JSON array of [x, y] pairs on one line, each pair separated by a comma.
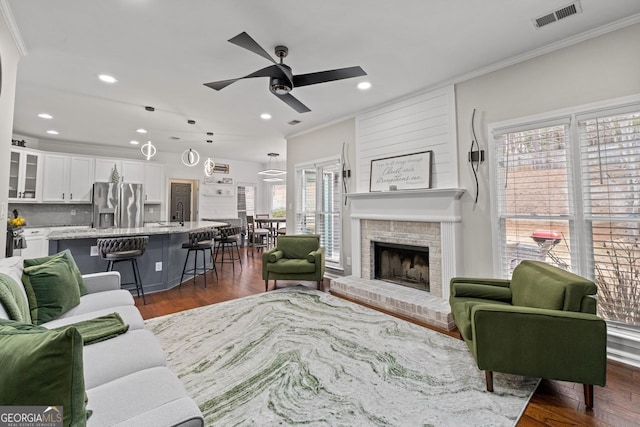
[[246, 196], [610, 159], [567, 192], [534, 194], [319, 206]]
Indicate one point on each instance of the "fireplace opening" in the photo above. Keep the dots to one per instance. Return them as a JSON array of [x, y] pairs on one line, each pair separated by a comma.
[[404, 265]]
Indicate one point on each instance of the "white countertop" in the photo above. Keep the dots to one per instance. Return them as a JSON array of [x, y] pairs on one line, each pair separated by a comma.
[[148, 229]]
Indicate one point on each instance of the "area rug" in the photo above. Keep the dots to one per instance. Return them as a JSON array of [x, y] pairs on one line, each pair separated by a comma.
[[297, 356]]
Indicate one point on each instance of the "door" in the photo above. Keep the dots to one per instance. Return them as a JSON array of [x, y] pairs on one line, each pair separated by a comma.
[[180, 201]]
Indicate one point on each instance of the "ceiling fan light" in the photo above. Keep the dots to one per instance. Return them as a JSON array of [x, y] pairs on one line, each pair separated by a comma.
[[280, 86]]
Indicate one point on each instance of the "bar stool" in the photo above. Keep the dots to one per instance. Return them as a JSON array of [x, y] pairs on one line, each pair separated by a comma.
[[226, 240], [118, 249], [199, 241]]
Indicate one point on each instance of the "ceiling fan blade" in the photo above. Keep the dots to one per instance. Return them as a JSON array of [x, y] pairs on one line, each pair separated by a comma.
[[221, 84], [292, 102], [244, 40], [270, 71], [327, 76]]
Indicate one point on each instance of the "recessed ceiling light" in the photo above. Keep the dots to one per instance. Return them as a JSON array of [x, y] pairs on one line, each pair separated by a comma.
[[45, 116], [53, 132], [141, 130], [265, 116], [134, 142], [107, 78], [364, 85]]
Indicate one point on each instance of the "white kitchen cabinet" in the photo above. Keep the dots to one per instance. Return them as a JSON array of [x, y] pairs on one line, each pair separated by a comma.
[[67, 179], [128, 170], [153, 182], [24, 176], [104, 169], [133, 171], [37, 244]]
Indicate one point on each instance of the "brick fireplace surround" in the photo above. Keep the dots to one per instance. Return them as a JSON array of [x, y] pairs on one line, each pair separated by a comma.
[[427, 218]]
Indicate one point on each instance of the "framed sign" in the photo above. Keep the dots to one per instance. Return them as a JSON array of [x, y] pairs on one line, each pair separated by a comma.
[[406, 172]]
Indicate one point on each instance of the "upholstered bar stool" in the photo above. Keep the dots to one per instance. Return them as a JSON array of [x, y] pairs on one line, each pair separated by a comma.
[[118, 249], [199, 241], [225, 241]]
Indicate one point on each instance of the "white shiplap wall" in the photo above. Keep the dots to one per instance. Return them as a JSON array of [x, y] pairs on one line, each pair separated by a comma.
[[426, 121]]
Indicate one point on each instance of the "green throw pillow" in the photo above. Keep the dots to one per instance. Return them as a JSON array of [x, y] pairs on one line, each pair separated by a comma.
[[51, 290], [42, 368], [12, 298], [68, 258]]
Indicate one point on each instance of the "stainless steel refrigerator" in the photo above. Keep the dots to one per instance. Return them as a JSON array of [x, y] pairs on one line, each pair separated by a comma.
[[118, 205]]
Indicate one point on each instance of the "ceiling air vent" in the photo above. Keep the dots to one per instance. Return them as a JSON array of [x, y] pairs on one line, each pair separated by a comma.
[[294, 122], [557, 15]]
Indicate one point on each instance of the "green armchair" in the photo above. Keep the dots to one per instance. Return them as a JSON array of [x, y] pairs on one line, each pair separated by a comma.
[[295, 257], [540, 324]]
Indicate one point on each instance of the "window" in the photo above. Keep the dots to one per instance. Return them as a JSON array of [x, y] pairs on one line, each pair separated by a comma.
[[567, 191], [319, 206], [534, 186], [278, 200], [610, 156], [246, 199]]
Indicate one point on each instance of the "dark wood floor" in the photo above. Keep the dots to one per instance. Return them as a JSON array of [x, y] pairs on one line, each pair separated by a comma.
[[555, 403]]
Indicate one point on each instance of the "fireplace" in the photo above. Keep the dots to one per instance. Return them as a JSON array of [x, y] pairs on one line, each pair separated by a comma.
[[405, 265]]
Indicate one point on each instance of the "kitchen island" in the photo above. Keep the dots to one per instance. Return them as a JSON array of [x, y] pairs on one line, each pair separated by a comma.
[[160, 265]]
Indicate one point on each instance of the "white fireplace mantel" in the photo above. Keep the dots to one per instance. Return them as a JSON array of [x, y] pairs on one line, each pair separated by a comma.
[[440, 205], [435, 205]]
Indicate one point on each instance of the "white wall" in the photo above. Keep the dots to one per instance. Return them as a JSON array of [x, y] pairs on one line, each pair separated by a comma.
[[425, 121], [239, 171], [9, 57], [598, 69], [320, 144]]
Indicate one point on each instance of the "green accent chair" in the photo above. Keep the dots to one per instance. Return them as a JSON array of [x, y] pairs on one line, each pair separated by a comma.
[[295, 257], [542, 324]]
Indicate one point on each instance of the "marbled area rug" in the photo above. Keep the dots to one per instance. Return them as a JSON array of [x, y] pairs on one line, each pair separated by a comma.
[[297, 356]]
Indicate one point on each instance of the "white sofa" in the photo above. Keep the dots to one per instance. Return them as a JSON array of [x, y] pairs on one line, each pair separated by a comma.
[[126, 380]]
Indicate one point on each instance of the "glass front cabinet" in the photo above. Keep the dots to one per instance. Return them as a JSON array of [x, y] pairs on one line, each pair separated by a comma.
[[24, 176]]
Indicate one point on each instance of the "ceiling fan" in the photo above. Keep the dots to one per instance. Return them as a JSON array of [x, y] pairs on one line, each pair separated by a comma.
[[281, 78]]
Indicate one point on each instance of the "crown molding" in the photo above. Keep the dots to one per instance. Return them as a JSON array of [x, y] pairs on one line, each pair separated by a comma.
[[7, 14], [569, 41]]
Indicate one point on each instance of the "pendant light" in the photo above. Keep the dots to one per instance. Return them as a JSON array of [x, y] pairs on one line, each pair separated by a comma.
[[271, 171], [148, 150], [190, 157], [209, 166]]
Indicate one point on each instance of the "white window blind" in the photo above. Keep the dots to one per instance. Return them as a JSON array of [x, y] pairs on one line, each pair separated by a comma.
[[318, 207], [610, 159], [245, 201], [534, 193]]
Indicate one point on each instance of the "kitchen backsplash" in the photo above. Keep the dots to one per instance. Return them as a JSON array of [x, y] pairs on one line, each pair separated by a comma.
[[48, 215]]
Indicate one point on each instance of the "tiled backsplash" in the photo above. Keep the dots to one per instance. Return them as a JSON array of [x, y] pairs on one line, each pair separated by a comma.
[[46, 215]]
